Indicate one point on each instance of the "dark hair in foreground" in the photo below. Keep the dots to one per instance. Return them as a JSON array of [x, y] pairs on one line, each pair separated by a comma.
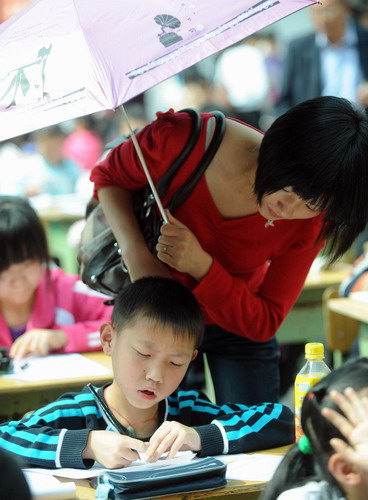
[[22, 235], [320, 149], [165, 301], [298, 468], [13, 484]]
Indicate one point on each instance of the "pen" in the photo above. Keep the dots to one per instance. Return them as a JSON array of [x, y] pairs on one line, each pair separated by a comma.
[[107, 412], [109, 415]]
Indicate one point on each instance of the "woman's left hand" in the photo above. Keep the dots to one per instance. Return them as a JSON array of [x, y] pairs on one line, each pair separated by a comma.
[[179, 248], [172, 436]]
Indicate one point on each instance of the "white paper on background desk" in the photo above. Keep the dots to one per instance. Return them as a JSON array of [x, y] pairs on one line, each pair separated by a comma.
[[57, 367], [48, 488], [361, 296], [73, 204], [255, 467], [181, 458]]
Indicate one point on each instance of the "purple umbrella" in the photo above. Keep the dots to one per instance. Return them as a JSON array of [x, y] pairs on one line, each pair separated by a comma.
[[69, 58]]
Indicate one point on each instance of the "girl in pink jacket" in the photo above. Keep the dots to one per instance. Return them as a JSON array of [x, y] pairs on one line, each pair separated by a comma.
[[42, 309]]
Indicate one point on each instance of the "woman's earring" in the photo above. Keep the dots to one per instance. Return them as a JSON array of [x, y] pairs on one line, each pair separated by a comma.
[[269, 223]]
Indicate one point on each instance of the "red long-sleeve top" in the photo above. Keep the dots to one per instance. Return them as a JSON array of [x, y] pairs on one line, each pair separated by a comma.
[[257, 272]]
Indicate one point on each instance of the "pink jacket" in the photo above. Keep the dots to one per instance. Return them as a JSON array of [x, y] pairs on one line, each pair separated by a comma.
[[63, 302]]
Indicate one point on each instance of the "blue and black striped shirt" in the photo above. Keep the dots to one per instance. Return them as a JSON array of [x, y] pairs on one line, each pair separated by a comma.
[[56, 435]]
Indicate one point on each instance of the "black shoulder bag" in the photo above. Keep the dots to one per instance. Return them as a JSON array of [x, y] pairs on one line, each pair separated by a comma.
[[99, 256]]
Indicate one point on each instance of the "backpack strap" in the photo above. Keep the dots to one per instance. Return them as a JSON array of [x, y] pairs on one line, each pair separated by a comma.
[[184, 191], [164, 183]]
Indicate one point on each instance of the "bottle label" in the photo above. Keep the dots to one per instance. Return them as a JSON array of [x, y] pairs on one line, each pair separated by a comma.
[[302, 386]]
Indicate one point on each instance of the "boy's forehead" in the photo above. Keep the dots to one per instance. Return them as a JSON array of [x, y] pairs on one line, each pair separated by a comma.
[[151, 333]]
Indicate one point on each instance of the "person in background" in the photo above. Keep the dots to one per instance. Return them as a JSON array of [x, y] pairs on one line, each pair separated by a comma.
[[241, 83], [331, 61], [317, 466], [12, 152], [154, 333], [83, 145], [42, 309], [48, 170], [245, 238]]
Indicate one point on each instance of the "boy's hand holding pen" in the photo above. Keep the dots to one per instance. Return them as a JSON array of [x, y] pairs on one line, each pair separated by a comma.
[[113, 450]]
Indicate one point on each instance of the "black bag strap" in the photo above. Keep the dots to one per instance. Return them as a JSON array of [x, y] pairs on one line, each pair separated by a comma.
[[165, 182], [184, 191]]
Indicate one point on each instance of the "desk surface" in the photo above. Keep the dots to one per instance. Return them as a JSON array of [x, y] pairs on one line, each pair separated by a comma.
[[245, 489], [11, 386], [323, 279], [349, 307]]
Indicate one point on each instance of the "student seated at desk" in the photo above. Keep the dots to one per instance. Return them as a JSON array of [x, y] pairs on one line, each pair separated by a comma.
[[153, 336], [317, 466], [42, 309]]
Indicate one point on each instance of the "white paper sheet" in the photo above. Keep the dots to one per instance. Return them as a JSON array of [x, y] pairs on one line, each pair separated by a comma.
[[48, 487], [57, 367], [256, 467]]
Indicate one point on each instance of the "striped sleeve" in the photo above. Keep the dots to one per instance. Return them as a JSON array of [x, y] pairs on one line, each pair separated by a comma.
[[55, 435], [232, 428]]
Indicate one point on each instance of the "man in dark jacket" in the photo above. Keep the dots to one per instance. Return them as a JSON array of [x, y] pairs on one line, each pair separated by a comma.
[[331, 61]]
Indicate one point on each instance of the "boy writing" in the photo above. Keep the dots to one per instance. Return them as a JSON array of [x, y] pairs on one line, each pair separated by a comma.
[[154, 334]]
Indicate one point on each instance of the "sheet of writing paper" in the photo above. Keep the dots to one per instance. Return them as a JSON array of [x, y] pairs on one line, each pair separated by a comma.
[[182, 458], [256, 467], [48, 487], [56, 367]]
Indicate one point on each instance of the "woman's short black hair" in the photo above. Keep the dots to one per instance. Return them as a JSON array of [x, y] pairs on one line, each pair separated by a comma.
[[22, 235], [164, 301], [320, 149]]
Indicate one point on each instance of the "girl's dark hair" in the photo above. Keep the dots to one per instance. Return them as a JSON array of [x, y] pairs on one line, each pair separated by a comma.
[[22, 235], [320, 149], [297, 468], [165, 301]]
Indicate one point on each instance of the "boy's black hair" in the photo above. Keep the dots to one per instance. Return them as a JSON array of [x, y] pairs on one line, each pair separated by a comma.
[[165, 301], [22, 235], [298, 468], [320, 149]]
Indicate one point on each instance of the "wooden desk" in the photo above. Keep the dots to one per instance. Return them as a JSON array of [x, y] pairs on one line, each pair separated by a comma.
[[234, 489], [17, 396], [304, 323], [350, 307], [341, 311]]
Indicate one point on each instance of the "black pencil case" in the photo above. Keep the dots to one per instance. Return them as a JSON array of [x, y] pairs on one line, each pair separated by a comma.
[[204, 474]]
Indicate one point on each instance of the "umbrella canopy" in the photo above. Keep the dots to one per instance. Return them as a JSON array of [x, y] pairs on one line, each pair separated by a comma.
[[69, 58]]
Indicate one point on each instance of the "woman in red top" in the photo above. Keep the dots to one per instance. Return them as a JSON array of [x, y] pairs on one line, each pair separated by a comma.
[[245, 238]]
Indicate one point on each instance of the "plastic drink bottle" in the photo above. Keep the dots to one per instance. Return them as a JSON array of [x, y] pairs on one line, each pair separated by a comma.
[[311, 373]]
